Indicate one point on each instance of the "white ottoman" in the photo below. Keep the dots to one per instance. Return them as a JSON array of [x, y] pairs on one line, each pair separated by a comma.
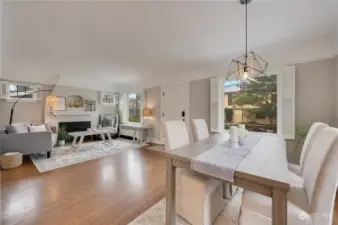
[[11, 160]]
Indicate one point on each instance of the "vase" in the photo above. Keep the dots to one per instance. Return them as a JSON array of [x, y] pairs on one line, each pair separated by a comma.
[[61, 142]]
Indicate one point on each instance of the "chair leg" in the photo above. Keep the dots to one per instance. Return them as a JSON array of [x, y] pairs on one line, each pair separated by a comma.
[[49, 154]]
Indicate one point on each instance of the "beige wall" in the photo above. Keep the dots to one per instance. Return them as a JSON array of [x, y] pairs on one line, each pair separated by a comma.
[[315, 92], [199, 104], [153, 101]]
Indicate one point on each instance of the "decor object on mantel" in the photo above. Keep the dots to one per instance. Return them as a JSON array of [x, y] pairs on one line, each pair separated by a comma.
[[90, 105], [50, 100], [60, 104], [249, 65], [109, 99], [74, 101]]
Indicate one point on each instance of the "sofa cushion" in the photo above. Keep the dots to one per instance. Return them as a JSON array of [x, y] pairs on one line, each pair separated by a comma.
[[17, 128], [39, 128]]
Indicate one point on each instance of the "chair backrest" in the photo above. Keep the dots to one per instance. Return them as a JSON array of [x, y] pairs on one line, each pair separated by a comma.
[[322, 208], [310, 137], [175, 134], [200, 129], [316, 156]]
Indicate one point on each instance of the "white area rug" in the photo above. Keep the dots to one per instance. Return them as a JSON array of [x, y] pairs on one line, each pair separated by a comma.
[[155, 215], [68, 155]]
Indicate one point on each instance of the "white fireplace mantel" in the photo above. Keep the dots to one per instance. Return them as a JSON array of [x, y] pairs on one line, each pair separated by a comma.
[[72, 113]]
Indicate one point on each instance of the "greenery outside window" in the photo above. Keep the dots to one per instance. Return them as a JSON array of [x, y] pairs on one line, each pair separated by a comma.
[[253, 104], [134, 107]]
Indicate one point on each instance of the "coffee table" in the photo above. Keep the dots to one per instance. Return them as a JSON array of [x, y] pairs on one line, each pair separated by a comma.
[[82, 134]]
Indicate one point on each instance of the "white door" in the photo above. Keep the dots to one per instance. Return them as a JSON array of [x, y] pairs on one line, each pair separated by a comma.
[[175, 104]]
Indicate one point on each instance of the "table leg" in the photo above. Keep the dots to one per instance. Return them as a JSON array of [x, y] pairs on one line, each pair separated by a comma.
[[279, 207], [134, 135], [140, 135], [80, 142], [74, 141], [102, 137], [109, 136], [170, 193]]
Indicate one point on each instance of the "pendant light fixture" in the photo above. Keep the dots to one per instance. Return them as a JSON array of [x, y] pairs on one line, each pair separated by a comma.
[[250, 65]]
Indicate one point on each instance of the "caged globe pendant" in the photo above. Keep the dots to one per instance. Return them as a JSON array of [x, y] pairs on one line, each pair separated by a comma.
[[249, 65]]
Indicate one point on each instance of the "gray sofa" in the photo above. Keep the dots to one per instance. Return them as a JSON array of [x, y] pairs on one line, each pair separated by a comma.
[[26, 142]]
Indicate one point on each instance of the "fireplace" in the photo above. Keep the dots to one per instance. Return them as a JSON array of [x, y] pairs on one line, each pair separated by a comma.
[[74, 127]]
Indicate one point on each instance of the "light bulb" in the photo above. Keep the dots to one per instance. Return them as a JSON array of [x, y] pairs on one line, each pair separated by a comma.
[[245, 75]]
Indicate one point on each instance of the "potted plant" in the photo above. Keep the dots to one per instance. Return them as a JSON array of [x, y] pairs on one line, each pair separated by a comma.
[[62, 135]]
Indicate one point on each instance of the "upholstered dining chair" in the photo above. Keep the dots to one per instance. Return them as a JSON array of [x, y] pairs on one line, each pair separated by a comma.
[[295, 170], [200, 129], [313, 132], [314, 203], [198, 199]]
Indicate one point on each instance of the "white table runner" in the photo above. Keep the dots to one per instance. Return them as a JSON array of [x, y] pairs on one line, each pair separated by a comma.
[[223, 160]]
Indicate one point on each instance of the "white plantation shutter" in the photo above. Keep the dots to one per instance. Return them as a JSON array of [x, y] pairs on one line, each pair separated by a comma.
[[287, 85], [38, 94], [3, 89], [216, 105]]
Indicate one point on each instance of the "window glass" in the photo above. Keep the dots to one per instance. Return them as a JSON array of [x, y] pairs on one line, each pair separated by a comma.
[[17, 91], [134, 107], [253, 103]]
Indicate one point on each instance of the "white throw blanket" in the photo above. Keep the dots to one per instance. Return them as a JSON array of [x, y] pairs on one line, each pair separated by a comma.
[[223, 160]]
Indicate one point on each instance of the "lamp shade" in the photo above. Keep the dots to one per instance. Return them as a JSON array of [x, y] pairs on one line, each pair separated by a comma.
[[51, 100], [146, 112]]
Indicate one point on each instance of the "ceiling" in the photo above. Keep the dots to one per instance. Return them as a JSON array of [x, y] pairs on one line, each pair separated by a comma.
[[120, 43]]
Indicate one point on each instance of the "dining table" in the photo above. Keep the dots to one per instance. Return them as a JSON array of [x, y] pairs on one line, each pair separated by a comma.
[[264, 170]]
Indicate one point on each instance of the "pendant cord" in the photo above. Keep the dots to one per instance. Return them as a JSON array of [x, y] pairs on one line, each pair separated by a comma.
[[246, 32]]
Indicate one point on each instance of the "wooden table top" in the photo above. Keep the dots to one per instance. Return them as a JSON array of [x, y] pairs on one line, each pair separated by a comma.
[[265, 164]]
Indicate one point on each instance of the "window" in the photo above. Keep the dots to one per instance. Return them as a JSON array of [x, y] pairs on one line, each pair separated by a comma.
[[253, 104], [134, 107], [17, 91]]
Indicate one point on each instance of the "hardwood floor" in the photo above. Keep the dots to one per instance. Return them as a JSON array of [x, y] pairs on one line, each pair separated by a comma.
[[109, 190]]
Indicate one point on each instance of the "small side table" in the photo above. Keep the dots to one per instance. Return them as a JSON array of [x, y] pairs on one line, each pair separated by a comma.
[[11, 160], [139, 130]]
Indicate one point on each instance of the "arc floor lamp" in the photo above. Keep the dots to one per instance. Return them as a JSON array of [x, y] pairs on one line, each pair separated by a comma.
[[50, 100]]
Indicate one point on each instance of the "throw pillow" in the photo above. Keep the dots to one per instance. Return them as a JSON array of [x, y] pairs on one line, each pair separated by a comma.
[[17, 128], [39, 128]]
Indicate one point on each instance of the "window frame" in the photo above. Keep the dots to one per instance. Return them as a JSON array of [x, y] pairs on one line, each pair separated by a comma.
[[7, 97], [124, 107]]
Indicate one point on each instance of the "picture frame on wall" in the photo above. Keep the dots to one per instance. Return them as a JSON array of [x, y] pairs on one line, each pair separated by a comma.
[[109, 99], [60, 105]]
